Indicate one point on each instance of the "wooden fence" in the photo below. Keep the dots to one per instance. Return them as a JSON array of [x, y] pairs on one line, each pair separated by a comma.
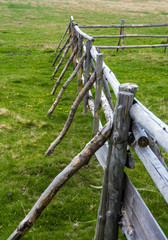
[[129, 124], [122, 35]]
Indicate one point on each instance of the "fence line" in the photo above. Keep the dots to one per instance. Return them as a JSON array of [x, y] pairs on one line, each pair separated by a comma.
[[124, 25], [125, 127]]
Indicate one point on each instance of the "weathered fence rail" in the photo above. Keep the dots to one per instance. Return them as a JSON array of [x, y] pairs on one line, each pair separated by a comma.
[[129, 125], [122, 35]]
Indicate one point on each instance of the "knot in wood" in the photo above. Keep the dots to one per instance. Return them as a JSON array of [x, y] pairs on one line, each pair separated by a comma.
[[109, 213]]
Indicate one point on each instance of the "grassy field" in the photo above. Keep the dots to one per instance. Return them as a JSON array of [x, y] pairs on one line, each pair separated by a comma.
[[29, 33]]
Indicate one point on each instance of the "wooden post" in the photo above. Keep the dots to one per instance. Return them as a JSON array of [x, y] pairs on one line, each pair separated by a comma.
[[110, 206], [80, 48], [75, 45], [122, 33], [99, 80], [119, 40], [87, 74], [165, 47]]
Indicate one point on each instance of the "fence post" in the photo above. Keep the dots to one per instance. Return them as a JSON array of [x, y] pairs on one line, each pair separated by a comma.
[[80, 48], [122, 33], [75, 44], [165, 47], [110, 205], [87, 74], [99, 80]]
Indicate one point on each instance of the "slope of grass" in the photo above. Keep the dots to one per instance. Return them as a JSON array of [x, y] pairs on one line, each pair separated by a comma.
[[29, 33]]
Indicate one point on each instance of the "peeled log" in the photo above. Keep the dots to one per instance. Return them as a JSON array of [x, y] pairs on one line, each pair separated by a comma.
[[79, 161], [71, 114]]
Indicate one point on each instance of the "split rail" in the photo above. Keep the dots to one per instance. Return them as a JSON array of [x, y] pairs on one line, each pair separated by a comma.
[[129, 125]]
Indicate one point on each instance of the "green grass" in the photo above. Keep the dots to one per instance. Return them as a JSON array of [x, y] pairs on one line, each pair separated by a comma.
[[29, 33]]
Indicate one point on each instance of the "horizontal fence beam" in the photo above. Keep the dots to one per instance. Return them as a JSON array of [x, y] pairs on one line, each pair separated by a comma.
[[129, 35], [133, 46], [81, 33], [125, 25], [159, 126]]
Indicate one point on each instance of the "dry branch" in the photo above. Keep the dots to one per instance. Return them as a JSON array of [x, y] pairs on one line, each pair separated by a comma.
[[60, 51], [79, 161], [63, 57], [62, 39], [66, 84], [63, 71], [72, 113]]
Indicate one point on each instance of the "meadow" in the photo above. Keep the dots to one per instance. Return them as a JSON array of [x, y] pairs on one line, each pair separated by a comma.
[[29, 34]]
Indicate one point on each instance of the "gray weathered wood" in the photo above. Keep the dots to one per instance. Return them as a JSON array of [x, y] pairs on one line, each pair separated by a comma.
[[51, 110], [140, 136], [106, 88], [109, 209], [63, 71], [159, 129], [154, 146], [149, 124], [101, 153], [99, 77], [61, 39], [62, 58], [167, 43], [60, 51], [129, 35], [84, 35], [122, 38], [126, 25], [79, 161], [80, 49], [71, 114], [133, 46], [87, 74], [140, 223], [154, 167]]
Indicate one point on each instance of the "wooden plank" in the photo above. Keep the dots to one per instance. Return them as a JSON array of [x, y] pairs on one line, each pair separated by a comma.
[[133, 46], [155, 168], [142, 225]]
